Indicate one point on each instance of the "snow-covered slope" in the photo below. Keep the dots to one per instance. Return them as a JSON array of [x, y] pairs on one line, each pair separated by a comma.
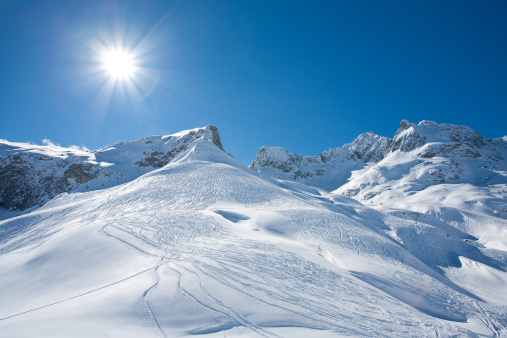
[[206, 246], [446, 174], [436, 183], [30, 175]]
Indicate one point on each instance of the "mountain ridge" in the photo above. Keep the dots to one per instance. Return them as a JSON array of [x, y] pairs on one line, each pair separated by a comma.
[[432, 140], [31, 175]]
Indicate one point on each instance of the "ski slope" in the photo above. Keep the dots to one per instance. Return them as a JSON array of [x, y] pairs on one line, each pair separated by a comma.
[[205, 246]]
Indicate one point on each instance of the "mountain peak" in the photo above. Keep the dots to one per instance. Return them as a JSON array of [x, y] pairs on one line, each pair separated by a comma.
[[276, 157], [411, 136], [370, 147], [404, 125], [208, 133]]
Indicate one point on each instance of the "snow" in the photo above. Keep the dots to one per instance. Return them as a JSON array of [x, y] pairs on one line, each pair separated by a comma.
[[328, 171], [205, 246], [479, 278], [12, 148]]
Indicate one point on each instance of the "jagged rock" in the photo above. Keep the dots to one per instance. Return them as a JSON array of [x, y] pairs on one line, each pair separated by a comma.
[[81, 172], [278, 158], [407, 138], [428, 154], [444, 139], [370, 147]]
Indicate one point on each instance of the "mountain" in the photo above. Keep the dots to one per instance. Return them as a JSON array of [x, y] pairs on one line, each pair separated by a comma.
[[435, 165], [206, 246], [329, 170], [31, 175], [427, 142], [423, 162]]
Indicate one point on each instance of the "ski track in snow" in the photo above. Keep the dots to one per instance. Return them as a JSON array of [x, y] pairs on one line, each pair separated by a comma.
[[147, 295], [80, 295]]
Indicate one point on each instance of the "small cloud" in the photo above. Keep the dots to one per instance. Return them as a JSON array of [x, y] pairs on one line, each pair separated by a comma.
[[81, 148], [48, 142]]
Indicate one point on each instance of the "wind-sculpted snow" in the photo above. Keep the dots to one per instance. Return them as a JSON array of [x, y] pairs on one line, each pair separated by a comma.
[[205, 246]]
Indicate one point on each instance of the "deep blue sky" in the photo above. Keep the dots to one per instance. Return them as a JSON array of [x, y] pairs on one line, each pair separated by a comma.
[[305, 75]]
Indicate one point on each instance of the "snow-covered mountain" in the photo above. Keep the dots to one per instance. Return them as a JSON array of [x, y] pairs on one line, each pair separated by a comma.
[[331, 169], [424, 162], [427, 142], [206, 246], [433, 156], [30, 175]]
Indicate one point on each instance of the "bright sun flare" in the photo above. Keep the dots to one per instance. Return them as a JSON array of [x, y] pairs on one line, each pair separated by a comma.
[[119, 64]]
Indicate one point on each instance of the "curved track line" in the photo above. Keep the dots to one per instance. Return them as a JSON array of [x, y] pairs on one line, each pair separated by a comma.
[[80, 295]]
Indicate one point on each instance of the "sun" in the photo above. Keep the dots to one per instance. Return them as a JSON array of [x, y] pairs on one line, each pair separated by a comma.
[[122, 69], [119, 64]]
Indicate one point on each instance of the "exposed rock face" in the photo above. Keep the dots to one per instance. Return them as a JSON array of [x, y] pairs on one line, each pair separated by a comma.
[[30, 175], [14, 188], [80, 172], [431, 157], [278, 158], [407, 138], [215, 137], [442, 151], [369, 147], [27, 179]]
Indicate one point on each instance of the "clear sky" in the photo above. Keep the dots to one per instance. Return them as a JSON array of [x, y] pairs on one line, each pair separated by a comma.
[[304, 75]]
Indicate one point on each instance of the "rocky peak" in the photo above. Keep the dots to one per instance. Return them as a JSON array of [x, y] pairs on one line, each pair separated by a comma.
[[321, 170], [453, 133], [367, 147], [276, 157], [208, 133], [370, 147], [411, 136], [334, 166], [215, 136], [407, 137], [404, 125]]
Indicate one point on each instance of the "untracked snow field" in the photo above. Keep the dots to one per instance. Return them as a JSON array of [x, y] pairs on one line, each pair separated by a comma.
[[205, 246]]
